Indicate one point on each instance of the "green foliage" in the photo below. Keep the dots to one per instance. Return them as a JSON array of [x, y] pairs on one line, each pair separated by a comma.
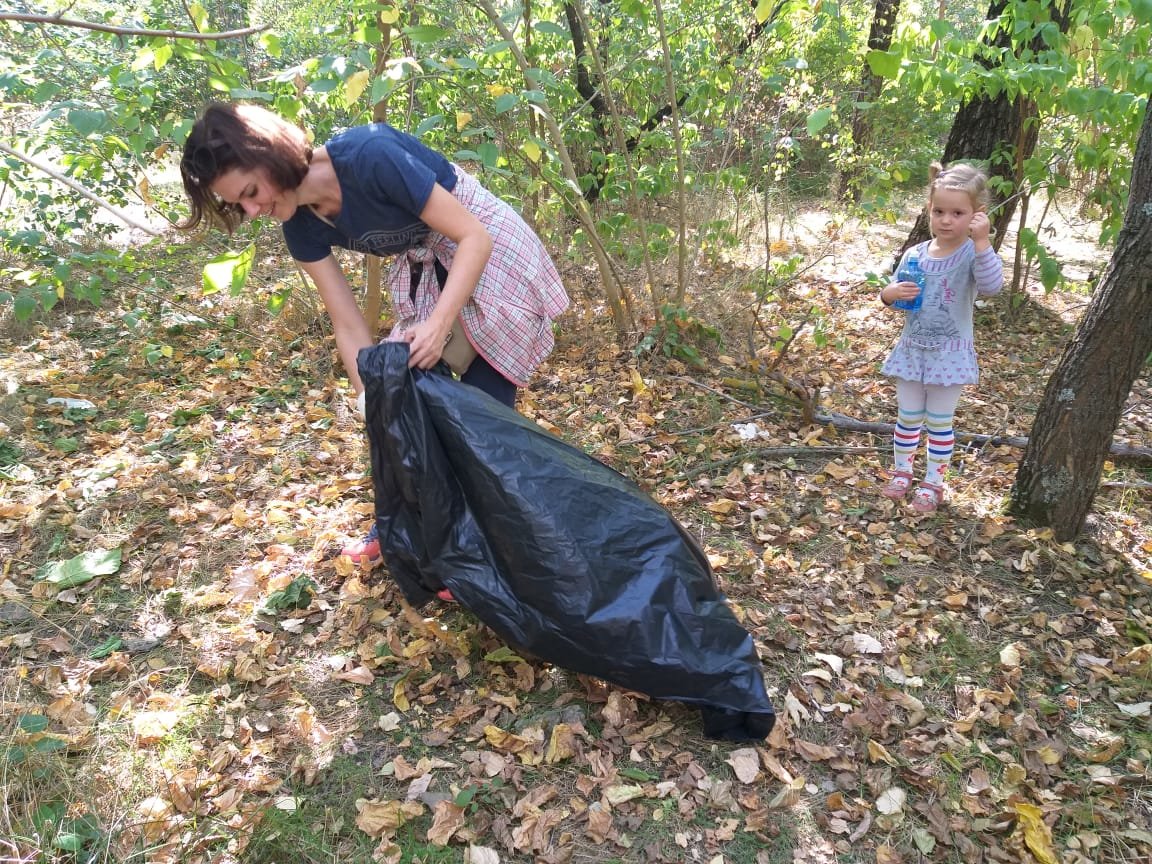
[[773, 112], [678, 335], [1049, 268], [10, 455], [297, 595], [474, 796], [83, 568]]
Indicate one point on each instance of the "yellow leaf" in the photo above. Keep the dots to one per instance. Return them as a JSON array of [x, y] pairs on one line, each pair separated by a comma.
[[891, 801], [495, 90], [619, 793], [1048, 755], [723, 507], [377, 818], [637, 383], [359, 675], [562, 744], [154, 814], [390, 15], [463, 118], [1037, 835], [532, 151], [839, 472], [399, 698], [355, 85], [877, 752], [956, 601]]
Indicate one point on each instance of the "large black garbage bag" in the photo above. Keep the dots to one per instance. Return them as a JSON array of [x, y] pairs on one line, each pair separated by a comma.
[[559, 554]]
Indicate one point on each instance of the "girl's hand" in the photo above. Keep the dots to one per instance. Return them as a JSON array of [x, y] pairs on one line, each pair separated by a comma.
[[894, 291], [979, 229], [426, 341]]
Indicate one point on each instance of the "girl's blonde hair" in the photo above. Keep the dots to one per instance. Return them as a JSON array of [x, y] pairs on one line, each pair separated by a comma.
[[960, 177]]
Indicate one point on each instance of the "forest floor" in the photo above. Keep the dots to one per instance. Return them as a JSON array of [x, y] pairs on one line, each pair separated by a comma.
[[189, 674]]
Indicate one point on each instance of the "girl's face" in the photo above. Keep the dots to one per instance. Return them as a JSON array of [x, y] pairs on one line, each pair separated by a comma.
[[255, 194], [950, 214]]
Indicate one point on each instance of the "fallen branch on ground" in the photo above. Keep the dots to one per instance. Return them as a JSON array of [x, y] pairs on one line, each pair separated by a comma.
[[1118, 452]]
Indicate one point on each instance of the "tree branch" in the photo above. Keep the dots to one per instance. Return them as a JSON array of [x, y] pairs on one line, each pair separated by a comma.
[[58, 21], [80, 190], [1117, 452]]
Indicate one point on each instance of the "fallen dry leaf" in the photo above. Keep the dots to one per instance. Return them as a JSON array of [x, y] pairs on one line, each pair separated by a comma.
[[891, 801], [745, 764], [379, 818], [447, 819], [1037, 835]]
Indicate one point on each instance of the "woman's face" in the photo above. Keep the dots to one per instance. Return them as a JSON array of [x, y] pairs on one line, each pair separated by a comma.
[[951, 214], [255, 194]]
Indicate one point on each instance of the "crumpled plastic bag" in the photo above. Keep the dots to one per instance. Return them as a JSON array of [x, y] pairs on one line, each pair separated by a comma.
[[559, 554]]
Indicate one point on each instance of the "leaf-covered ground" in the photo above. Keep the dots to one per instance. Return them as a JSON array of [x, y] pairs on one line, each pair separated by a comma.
[[189, 674]]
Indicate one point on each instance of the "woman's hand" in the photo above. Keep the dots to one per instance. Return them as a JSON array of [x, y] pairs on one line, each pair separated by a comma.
[[426, 341], [894, 291]]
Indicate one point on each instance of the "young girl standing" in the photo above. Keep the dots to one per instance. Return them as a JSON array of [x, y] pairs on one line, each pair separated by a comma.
[[935, 357]]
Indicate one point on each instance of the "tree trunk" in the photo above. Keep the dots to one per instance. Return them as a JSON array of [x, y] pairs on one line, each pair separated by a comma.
[[879, 39], [999, 131], [1060, 469], [374, 268], [591, 93]]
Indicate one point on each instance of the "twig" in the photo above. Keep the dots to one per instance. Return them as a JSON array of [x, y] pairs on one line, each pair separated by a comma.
[[724, 395], [775, 453], [80, 190], [698, 429], [1118, 452], [129, 31]]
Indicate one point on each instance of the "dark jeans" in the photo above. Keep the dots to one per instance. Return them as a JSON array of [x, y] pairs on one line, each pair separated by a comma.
[[483, 375]]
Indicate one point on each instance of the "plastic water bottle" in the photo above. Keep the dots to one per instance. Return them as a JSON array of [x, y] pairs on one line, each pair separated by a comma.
[[911, 272]]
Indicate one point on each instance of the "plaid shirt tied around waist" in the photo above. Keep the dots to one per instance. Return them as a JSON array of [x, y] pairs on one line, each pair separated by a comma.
[[509, 317]]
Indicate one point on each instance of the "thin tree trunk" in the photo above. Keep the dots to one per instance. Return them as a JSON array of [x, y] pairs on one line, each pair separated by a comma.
[[621, 315], [655, 291], [879, 39], [374, 268], [1060, 470], [592, 94], [681, 199]]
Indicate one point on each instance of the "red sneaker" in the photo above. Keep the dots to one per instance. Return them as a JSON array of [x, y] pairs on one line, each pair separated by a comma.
[[365, 552], [445, 595]]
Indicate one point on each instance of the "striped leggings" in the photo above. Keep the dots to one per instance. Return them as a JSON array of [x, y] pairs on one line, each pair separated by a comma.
[[932, 408]]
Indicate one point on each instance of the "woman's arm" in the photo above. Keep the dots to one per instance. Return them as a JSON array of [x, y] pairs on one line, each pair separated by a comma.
[[443, 213], [352, 331]]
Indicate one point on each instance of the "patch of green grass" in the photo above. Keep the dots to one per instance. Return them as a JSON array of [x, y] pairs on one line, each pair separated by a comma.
[[309, 834], [954, 653]]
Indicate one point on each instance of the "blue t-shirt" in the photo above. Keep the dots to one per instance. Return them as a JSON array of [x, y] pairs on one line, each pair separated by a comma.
[[386, 177]]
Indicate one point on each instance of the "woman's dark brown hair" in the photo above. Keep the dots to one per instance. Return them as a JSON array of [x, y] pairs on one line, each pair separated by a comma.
[[237, 136]]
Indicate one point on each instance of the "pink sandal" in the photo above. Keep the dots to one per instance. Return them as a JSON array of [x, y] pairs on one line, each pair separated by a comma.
[[927, 498], [899, 482]]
